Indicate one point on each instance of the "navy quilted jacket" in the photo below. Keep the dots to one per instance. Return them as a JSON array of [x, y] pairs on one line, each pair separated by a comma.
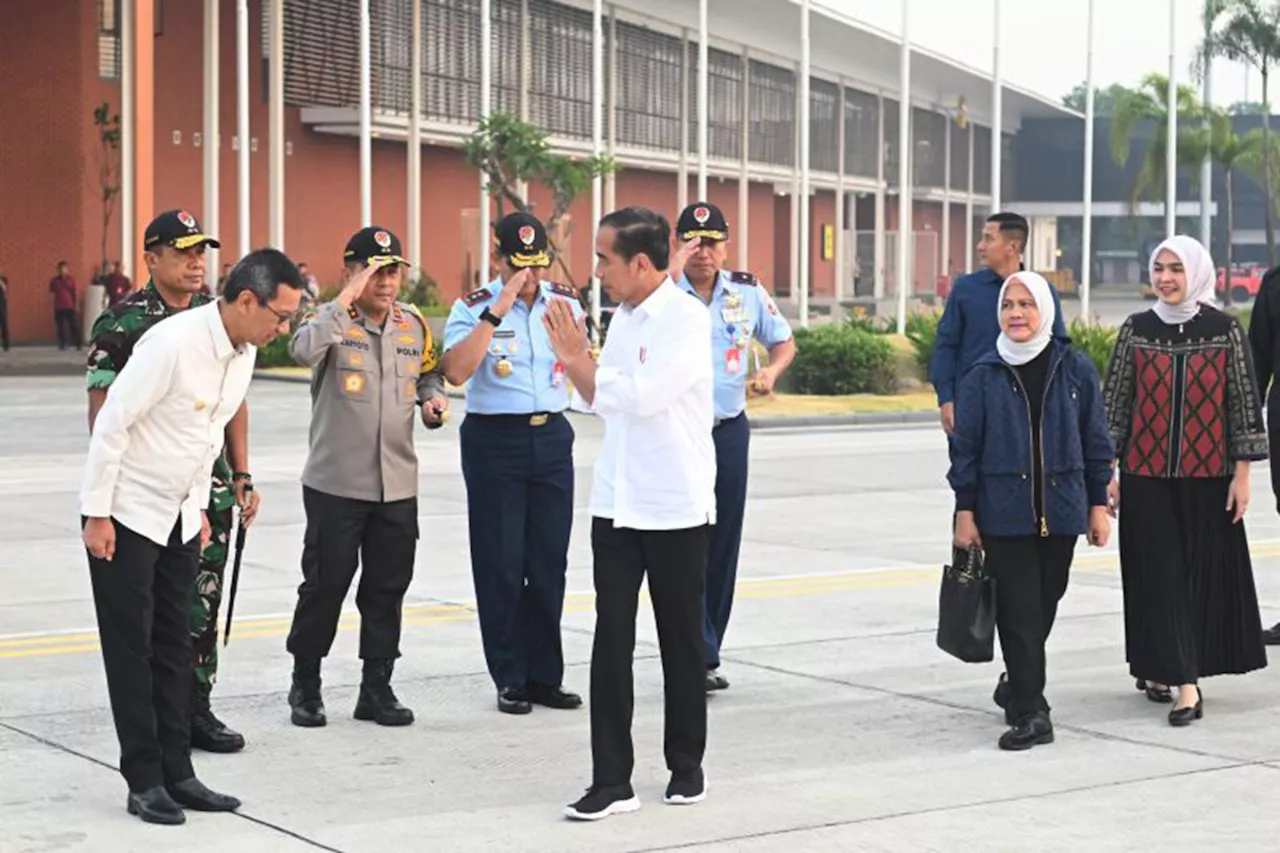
[[991, 465]]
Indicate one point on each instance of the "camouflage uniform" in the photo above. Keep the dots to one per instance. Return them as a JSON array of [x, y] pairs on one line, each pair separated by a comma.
[[114, 335]]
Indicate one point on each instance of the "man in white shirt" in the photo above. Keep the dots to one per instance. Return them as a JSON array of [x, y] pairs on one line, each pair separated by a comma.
[[142, 505], [652, 502]]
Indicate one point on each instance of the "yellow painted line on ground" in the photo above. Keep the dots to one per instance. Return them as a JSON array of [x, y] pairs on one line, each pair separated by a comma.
[[780, 587]]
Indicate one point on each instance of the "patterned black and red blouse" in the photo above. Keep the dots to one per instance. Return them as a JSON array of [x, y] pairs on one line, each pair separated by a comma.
[[1182, 401]]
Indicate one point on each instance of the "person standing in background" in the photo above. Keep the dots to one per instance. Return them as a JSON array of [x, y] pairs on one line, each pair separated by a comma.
[[66, 296], [4, 312]]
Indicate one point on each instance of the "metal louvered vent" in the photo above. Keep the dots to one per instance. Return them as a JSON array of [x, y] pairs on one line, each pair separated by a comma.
[[773, 114], [451, 60], [824, 127], [560, 65], [724, 95], [959, 157], [891, 152], [648, 88], [321, 50], [508, 56], [929, 136], [861, 132], [981, 159]]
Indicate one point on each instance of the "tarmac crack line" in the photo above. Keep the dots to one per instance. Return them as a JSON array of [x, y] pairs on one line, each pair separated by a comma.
[[63, 748], [836, 824]]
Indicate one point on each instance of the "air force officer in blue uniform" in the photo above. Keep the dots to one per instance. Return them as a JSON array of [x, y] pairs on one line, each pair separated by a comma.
[[741, 309], [517, 461]]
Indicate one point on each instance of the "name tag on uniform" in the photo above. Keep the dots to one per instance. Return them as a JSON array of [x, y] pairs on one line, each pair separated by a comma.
[[733, 315], [505, 333]]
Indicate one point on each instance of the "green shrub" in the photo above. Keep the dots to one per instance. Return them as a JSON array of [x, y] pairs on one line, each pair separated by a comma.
[[276, 353], [922, 331], [1096, 341], [840, 359], [860, 319]]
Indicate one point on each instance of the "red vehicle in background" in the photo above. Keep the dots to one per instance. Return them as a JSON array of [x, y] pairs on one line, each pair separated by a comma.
[[1246, 279]]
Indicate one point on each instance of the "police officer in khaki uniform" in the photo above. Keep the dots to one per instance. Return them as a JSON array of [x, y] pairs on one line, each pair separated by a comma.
[[373, 362]]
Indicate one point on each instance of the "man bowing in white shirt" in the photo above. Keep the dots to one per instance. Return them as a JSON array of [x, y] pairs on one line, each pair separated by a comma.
[[652, 502], [142, 502]]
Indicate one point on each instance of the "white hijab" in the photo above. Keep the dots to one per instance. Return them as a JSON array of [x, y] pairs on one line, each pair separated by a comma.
[[1201, 279], [1016, 353]]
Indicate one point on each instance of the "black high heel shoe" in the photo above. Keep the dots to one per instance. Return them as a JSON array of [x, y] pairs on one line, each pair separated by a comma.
[[1155, 694], [1185, 716]]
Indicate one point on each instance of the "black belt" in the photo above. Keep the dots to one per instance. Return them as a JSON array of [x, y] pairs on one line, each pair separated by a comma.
[[533, 419]]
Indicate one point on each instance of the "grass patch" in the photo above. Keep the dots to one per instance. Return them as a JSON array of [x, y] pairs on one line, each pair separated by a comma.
[[816, 404]]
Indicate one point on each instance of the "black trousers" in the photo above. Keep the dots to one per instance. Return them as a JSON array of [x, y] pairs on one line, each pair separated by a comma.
[[676, 562], [68, 328], [1031, 578], [341, 534], [520, 508], [143, 601], [733, 440]]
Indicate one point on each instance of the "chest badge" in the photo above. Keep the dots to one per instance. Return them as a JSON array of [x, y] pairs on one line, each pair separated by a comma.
[[503, 368], [732, 300], [353, 383]]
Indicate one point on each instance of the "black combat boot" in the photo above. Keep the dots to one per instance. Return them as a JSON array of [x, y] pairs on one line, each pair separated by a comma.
[[377, 702], [207, 731], [304, 695]]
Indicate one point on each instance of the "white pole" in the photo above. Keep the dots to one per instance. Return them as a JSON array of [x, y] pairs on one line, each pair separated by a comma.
[[210, 143], [276, 125], [486, 98], [1086, 243], [806, 242], [904, 172], [597, 143], [1171, 146], [415, 142], [366, 117], [968, 208], [128, 135], [841, 207], [997, 123], [702, 99], [682, 168], [744, 180], [242, 126]]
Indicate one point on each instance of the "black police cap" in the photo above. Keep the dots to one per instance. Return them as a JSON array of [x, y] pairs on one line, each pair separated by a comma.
[[702, 219]]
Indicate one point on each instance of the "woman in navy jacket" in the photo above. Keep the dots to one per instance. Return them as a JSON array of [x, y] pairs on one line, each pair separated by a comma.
[[1031, 461]]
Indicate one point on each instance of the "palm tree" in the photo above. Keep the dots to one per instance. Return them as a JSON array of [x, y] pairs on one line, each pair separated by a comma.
[[1150, 103], [1251, 34]]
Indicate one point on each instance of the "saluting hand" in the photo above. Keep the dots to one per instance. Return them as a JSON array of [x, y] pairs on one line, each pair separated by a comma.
[[356, 284], [568, 337], [511, 292], [676, 267]]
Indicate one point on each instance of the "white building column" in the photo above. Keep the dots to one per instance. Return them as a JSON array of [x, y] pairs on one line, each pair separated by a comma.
[[997, 123], [611, 111], [968, 210], [1171, 142], [682, 169], [414, 146], [275, 126], [945, 261], [703, 72], [486, 106], [210, 143], [128, 133], [806, 237], [597, 143], [841, 267], [905, 193], [242, 126], [741, 227], [1086, 221], [881, 201]]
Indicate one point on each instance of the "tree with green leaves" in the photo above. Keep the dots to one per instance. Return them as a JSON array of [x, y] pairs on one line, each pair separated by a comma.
[[108, 161], [1104, 100], [1149, 103], [511, 152], [1246, 108], [1249, 33]]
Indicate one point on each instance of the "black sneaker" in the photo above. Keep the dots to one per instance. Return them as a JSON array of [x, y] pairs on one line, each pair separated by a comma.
[[1032, 730], [685, 789], [600, 802]]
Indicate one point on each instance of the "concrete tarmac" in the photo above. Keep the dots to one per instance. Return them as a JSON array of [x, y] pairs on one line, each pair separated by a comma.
[[844, 729]]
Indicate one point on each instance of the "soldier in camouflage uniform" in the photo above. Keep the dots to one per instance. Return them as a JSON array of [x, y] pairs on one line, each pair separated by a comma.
[[175, 248]]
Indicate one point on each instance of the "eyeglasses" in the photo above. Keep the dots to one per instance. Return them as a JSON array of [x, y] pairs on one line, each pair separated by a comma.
[[282, 316]]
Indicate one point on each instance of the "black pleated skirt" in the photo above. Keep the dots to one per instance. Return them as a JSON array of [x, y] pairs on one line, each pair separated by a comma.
[[1190, 605]]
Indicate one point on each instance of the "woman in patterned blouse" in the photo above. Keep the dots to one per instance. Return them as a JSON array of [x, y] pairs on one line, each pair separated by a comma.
[[1186, 420]]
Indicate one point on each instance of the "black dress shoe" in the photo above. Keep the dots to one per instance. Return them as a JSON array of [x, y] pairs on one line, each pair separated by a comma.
[[154, 805], [1185, 716], [1031, 730], [192, 794], [1154, 694], [553, 697], [1271, 636], [514, 700], [211, 734]]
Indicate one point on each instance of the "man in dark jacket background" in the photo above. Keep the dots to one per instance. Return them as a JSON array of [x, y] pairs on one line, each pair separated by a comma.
[[1264, 340], [971, 322]]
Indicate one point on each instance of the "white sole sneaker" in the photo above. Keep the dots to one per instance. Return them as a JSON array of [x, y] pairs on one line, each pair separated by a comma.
[[681, 800], [616, 807]]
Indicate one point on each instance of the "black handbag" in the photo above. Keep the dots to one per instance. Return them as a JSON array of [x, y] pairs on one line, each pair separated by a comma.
[[967, 608]]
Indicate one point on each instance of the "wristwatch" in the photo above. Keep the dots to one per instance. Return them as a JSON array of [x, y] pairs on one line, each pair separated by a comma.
[[490, 317]]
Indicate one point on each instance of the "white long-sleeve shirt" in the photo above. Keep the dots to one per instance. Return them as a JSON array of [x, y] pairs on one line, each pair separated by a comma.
[[161, 428], [654, 390]]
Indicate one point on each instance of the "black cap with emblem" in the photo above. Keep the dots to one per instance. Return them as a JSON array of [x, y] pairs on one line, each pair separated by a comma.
[[522, 239], [702, 219], [176, 228], [375, 246]]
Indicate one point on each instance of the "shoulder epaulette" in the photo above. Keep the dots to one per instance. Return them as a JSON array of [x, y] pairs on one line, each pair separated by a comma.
[[562, 289], [477, 297], [353, 313], [743, 277]]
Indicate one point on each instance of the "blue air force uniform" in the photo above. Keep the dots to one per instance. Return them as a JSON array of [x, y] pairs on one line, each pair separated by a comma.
[[741, 309], [517, 462]]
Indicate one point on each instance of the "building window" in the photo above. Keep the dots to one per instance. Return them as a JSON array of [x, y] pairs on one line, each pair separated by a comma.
[[773, 114], [648, 73], [109, 39]]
